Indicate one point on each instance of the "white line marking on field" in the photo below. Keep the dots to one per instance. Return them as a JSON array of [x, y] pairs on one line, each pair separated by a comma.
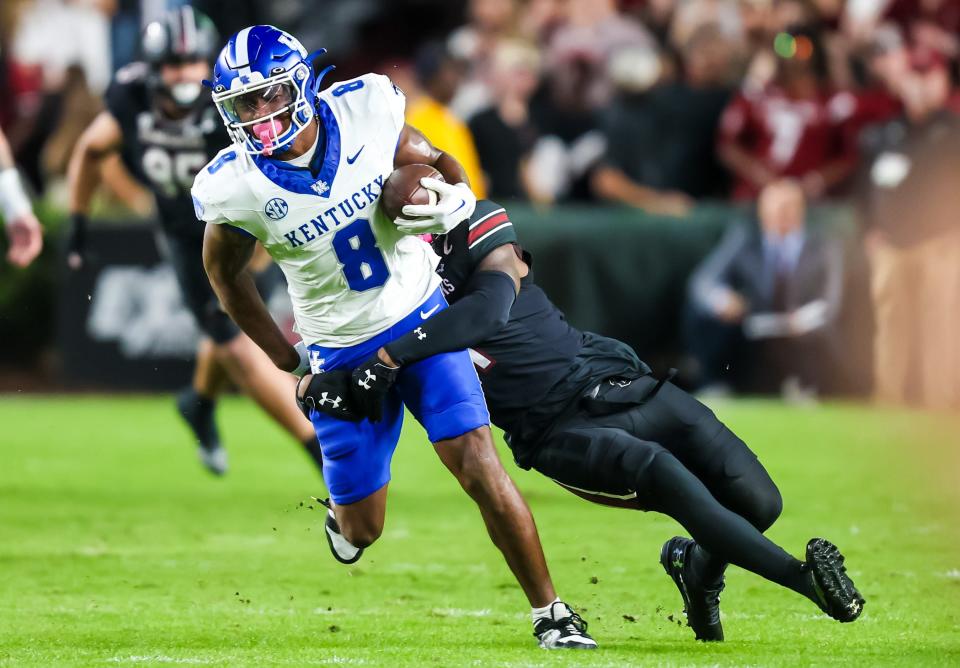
[[344, 661], [459, 612], [92, 550], [156, 658]]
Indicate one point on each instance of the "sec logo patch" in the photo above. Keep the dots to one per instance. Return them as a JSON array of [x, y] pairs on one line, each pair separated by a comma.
[[276, 208]]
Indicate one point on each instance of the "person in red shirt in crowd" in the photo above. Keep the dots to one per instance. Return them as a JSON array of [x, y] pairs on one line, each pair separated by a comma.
[[930, 24], [795, 126]]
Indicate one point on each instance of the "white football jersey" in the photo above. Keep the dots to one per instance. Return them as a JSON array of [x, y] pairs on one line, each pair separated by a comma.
[[350, 273]]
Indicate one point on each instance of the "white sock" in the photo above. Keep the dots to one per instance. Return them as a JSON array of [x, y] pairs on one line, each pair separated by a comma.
[[545, 611], [344, 548]]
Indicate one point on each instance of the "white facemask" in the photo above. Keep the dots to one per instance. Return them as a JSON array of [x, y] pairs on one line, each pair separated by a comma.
[[186, 93]]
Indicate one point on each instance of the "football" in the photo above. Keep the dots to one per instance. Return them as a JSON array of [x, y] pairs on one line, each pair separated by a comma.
[[403, 187]]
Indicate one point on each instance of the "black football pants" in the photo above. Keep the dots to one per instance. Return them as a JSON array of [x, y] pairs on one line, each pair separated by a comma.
[[655, 447]]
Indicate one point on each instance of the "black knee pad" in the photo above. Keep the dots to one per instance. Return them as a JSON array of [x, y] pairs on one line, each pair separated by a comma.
[[733, 473], [745, 486], [769, 507], [765, 503]]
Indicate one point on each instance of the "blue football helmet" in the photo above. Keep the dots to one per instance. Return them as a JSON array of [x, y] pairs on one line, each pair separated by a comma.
[[262, 75]]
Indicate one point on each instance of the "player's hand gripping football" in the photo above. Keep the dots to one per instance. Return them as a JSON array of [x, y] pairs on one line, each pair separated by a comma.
[[328, 393], [369, 385], [455, 203]]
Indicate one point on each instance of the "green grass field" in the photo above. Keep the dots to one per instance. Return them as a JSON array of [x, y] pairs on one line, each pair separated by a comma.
[[117, 549]]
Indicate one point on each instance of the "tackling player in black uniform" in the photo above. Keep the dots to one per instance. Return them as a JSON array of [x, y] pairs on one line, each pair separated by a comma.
[[583, 410], [165, 130]]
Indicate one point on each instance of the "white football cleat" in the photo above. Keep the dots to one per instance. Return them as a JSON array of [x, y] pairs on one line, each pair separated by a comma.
[[564, 629], [343, 551], [214, 459]]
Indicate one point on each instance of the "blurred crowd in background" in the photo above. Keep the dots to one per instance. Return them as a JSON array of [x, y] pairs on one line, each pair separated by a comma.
[[653, 104]]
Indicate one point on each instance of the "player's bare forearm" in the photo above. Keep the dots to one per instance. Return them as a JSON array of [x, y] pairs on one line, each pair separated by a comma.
[[612, 184], [6, 155], [225, 258], [83, 177], [414, 148], [102, 137], [836, 172], [452, 170]]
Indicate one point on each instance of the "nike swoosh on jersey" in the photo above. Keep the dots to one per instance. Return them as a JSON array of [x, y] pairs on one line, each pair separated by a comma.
[[426, 314], [352, 159]]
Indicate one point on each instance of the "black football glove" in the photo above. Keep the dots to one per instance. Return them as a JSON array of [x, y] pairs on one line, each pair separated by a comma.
[[369, 385], [328, 393], [77, 240]]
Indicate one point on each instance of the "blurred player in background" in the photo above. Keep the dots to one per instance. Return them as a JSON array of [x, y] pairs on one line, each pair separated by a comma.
[[23, 230], [304, 178], [584, 411], [165, 130]]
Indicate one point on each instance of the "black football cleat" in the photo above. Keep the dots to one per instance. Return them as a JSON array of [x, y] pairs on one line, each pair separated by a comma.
[[201, 421], [701, 600], [836, 594], [341, 548], [564, 629]]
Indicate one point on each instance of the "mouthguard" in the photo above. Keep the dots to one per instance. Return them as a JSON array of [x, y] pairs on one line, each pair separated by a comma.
[[266, 132]]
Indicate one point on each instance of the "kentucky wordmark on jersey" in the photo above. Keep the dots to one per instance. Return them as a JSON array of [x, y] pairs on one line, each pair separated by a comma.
[[351, 274]]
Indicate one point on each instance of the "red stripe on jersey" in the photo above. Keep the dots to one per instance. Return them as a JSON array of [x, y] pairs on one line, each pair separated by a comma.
[[486, 226]]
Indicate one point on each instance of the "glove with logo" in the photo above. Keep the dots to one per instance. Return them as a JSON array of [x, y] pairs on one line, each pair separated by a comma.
[[328, 393], [455, 204], [370, 382]]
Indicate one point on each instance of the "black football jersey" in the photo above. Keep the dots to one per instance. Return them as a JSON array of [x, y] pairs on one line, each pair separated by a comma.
[[537, 365], [162, 153]]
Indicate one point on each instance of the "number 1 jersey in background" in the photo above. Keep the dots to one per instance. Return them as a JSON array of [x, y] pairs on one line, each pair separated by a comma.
[[350, 273], [162, 153]]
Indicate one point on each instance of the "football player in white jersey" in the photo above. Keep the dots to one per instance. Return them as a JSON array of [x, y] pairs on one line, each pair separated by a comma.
[[163, 127], [303, 178]]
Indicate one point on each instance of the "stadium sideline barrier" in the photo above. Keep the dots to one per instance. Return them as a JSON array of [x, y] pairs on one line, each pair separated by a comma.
[[120, 323]]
